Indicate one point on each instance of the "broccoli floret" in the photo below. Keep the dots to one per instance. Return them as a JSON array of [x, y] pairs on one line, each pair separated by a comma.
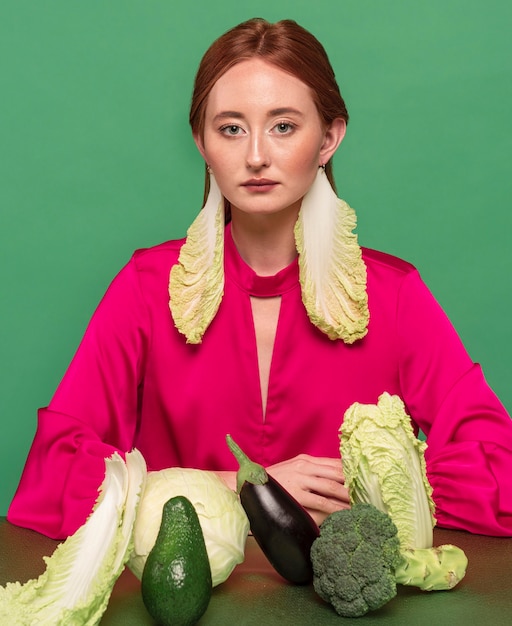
[[354, 560]]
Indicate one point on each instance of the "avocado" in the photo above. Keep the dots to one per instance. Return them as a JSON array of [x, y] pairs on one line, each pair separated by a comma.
[[177, 581]]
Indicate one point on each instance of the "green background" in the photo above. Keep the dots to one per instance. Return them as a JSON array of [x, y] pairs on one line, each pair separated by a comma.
[[97, 160]]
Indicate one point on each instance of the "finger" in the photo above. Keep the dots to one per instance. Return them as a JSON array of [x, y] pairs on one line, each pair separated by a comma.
[[321, 504], [327, 460], [331, 472], [323, 467], [319, 516], [326, 488]]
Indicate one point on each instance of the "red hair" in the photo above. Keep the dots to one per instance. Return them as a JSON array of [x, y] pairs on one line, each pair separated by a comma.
[[286, 45]]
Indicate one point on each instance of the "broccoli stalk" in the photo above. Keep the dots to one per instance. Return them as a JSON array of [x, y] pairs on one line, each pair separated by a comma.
[[432, 569], [384, 465]]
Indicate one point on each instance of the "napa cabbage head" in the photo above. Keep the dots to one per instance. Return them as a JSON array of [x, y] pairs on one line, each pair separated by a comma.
[[384, 465], [223, 521]]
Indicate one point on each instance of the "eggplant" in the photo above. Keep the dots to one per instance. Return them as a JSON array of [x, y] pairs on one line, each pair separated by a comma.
[[282, 527]]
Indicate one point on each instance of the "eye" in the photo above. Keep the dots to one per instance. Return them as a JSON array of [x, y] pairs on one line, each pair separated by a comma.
[[284, 128], [231, 130]]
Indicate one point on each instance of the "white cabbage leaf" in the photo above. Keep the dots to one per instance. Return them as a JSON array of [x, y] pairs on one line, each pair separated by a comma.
[[76, 585], [331, 268], [196, 282]]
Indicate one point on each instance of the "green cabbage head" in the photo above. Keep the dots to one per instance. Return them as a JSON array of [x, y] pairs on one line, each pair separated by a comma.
[[223, 521]]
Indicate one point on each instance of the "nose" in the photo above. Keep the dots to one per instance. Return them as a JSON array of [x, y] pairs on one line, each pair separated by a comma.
[[257, 152]]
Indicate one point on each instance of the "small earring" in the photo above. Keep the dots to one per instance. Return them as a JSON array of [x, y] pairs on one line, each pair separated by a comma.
[[208, 169], [322, 165]]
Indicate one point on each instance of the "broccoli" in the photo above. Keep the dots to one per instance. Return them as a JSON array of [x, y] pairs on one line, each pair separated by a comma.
[[354, 560]]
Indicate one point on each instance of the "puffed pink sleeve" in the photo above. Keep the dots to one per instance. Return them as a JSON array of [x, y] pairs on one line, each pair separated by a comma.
[[468, 430], [92, 415]]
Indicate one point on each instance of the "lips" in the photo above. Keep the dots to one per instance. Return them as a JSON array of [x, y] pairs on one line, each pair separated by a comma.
[[259, 184]]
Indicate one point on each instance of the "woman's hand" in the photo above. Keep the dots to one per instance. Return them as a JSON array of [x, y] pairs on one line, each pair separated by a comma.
[[317, 483]]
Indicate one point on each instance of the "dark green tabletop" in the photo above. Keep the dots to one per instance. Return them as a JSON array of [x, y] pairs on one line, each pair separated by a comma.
[[256, 595]]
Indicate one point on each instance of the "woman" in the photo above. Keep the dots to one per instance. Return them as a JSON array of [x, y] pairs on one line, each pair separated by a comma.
[[268, 322]]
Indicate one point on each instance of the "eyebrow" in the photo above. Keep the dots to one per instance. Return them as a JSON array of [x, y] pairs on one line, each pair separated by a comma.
[[272, 113]]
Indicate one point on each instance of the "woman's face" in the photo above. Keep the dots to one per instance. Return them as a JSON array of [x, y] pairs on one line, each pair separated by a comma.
[[264, 139]]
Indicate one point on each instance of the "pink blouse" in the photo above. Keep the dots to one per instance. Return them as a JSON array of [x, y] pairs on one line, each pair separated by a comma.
[[135, 382]]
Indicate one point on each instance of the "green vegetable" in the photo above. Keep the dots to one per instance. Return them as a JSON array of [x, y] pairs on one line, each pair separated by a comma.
[[384, 465], [223, 521], [75, 588], [196, 282], [432, 569], [176, 581], [354, 560], [331, 270]]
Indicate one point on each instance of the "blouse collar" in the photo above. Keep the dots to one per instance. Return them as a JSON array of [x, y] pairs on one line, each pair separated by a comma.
[[247, 279]]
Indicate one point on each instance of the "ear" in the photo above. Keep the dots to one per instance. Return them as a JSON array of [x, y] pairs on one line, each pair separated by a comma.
[[333, 137], [198, 140]]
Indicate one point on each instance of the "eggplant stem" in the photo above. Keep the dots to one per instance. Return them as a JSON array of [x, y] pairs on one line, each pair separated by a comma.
[[248, 471]]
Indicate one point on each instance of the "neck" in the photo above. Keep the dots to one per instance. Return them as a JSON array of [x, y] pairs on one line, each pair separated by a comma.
[[265, 242]]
